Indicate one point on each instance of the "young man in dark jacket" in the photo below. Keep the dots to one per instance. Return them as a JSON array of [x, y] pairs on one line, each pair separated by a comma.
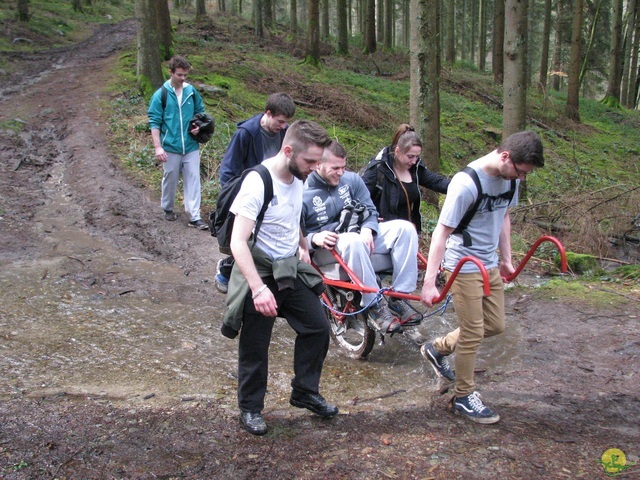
[[255, 139]]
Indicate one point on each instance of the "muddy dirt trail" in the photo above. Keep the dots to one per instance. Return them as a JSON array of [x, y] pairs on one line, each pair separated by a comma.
[[112, 366]]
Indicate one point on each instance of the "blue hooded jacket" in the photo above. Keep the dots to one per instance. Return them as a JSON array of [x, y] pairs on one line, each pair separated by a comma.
[[245, 149], [174, 120]]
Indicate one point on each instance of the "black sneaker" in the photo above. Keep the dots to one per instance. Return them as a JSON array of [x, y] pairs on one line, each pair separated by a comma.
[[170, 215], [438, 361], [405, 311], [383, 318], [472, 407], [199, 224]]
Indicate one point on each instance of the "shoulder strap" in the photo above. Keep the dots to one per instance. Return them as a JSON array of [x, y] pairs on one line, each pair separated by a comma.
[[268, 196], [163, 96], [464, 223]]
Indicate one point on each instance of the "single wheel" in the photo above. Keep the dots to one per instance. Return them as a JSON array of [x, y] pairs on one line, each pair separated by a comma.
[[349, 332]]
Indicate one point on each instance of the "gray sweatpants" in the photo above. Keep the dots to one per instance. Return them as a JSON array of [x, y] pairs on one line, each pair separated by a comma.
[[189, 165], [396, 238]]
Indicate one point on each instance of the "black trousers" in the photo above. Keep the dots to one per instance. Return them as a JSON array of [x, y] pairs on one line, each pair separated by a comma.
[[304, 313]]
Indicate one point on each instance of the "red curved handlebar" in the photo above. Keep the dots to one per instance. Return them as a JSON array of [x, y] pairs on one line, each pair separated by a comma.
[[356, 283], [534, 247]]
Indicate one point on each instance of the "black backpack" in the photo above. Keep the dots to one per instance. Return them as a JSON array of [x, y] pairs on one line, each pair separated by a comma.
[[464, 223], [221, 219]]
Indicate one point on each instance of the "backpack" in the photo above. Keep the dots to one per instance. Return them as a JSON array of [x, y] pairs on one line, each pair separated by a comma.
[[221, 219], [464, 223]]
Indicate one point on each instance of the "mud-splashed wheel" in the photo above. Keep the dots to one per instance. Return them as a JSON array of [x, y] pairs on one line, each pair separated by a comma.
[[349, 332]]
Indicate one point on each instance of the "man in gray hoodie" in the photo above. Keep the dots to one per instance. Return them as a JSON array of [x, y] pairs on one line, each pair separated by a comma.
[[327, 192]]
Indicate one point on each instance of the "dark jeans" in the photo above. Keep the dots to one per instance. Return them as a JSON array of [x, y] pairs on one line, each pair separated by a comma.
[[304, 313]]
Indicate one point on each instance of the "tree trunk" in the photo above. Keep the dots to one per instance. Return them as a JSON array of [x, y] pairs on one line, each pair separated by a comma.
[[633, 74], [514, 116], [324, 30], [149, 68], [474, 31], [200, 9], [343, 33], [313, 33], [388, 24], [425, 81], [257, 19], [406, 23], [544, 56], [572, 110], [267, 13], [498, 42], [626, 50], [77, 5], [557, 52], [165, 36], [451, 32], [380, 25], [482, 47], [462, 30], [23, 10], [612, 97], [293, 18], [370, 27], [592, 34]]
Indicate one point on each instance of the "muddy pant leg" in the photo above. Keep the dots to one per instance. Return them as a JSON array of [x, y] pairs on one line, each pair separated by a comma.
[[305, 315], [357, 256], [399, 239], [253, 358], [170, 176], [191, 184]]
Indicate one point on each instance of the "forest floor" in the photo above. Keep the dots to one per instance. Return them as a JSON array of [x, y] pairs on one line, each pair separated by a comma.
[[112, 365]]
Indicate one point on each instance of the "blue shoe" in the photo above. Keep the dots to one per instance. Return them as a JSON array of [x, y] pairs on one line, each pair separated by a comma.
[[222, 282], [438, 361], [472, 407]]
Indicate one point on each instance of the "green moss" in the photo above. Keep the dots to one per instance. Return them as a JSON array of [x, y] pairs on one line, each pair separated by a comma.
[[579, 263], [631, 272]]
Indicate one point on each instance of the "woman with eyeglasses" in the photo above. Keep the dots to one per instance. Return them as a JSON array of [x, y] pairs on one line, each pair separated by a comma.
[[395, 175]]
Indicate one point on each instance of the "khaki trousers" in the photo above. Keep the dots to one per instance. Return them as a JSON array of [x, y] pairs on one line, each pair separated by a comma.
[[478, 317]]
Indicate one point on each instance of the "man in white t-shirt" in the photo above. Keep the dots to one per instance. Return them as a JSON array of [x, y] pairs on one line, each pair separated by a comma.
[[279, 278], [487, 233]]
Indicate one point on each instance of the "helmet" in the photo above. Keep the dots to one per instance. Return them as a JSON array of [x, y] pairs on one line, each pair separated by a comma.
[[207, 126]]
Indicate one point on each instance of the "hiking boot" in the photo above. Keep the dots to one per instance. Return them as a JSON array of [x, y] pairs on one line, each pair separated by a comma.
[[383, 318], [438, 361], [472, 407], [405, 311], [170, 215], [221, 282], [199, 224]]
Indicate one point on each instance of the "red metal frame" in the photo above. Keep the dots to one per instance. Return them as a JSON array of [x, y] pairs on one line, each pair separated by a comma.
[[534, 247], [356, 283]]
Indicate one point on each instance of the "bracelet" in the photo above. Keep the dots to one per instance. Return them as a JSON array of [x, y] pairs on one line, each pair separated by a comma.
[[260, 290]]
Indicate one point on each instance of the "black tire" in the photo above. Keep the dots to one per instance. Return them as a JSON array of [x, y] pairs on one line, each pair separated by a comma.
[[349, 332]]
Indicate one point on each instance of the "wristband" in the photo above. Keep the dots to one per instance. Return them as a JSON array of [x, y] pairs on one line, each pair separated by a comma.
[[260, 290]]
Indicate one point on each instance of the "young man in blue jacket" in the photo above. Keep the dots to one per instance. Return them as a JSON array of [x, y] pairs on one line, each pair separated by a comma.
[[172, 134], [255, 140], [327, 192]]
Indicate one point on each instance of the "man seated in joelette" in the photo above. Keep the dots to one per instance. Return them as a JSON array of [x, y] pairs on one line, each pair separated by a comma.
[[326, 193]]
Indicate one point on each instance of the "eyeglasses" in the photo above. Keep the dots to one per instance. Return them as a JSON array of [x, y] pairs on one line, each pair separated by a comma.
[[520, 173]]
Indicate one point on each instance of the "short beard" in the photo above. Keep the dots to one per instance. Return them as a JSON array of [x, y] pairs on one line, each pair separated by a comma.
[[295, 171]]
